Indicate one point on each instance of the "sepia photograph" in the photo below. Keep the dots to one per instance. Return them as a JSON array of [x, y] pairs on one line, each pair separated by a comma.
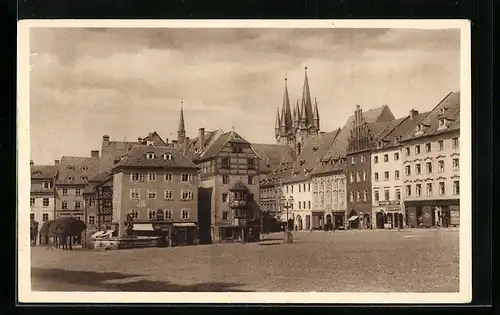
[[244, 161]]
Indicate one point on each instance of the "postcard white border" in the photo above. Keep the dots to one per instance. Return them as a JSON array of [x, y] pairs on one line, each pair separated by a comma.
[[23, 182]]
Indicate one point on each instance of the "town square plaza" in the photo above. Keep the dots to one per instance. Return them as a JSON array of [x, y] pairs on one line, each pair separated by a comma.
[[413, 260]]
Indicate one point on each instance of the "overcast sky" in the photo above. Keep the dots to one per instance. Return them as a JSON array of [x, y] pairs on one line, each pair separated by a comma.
[[126, 82]]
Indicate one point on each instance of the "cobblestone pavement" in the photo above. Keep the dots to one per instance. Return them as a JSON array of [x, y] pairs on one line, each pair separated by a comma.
[[340, 261]]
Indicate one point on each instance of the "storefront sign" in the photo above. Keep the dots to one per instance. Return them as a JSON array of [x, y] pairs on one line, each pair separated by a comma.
[[389, 203]]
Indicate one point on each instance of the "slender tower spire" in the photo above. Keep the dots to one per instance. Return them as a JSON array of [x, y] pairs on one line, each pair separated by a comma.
[[306, 99], [297, 117], [277, 124], [283, 122], [288, 113], [316, 115], [181, 131]]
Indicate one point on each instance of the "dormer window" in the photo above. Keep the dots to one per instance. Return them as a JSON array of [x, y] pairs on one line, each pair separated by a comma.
[[419, 130], [71, 168], [150, 155], [443, 124], [315, 149], [37, 173], [396, 140], [84, 178], [70, 178], [84, 168], [442, 110], [149, 143], [167, 156], [302, 162]]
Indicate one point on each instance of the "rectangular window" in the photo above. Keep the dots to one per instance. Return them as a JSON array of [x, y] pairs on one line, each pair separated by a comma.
[[45, 202], [291, 188], [299, 188], [418, 170], [407, 170], [309, 205], [137, 177], [169, 195], [225, 215], [352, 177], [304, 187], [287, 189], [32, 216], [353, 160], [456, 187], [250, 180], [386, 157], [358, 176], [398, 194], [376, 176], [135, 194], [364, 176], [429, 189], [77, 205], [441, 166], [456, 164], [186, 178], [396, 156], [251, 164], [365, 195], [362, 158], [428, 147], [300, 204], [225, 162], [168, 177], [45, 217], [64, 205], [151, 194], [358, 195], [46, 185], [225, 179], [168, 214], [441, 145], [186, 195], [407, 151], [224, 197], [304, 204], [352, 196], [78, 192], [151, 214], [185, 214], [387, 194], [396, 174], [455, 143], [376, 195], [442, 190], [386, 175], [428, 167], [418, 190], [375, 159], [91, 219], [309, 187], [64, 192], [32, 202], [408, 190], [417, 149]]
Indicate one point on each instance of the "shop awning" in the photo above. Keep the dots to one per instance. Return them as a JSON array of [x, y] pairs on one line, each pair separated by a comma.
[[97, 234], [184, 225], [143, 227], [354, 217]]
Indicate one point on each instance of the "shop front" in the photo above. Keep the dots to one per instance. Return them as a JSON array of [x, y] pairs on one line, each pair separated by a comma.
[[168, 233], [318, 218], [433, 213], [339, 220], [389, 215]]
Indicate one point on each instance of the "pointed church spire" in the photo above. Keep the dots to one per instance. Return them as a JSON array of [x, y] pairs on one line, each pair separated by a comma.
[[297, 111], [277, 124], [283, 121], [181, 131], [306, 99], [316, 114], [286, 106]]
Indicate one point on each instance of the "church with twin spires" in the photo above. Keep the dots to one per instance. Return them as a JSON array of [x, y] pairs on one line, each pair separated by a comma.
[[294, 126]]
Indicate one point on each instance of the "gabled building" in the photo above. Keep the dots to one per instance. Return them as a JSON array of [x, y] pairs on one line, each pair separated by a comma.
[[42, 194], [157, 185], [364, 127], [431, 166], [294, 126], [73, 177], [386, 176]]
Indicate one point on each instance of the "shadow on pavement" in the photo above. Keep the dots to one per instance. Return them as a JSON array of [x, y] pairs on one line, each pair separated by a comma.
[[60, 278]]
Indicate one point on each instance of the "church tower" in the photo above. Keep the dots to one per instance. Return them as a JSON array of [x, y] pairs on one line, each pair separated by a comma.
[[181, 131], [295, 129]]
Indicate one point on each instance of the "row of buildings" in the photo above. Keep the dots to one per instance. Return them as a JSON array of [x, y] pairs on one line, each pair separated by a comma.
[[376, 171]]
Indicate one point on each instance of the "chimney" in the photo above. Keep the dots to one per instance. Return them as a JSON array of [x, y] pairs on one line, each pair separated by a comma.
[[94, 153], [174, 143], [413, 113], [186, 142], [105, 139], [56, 162], [139, 140], [201, 138], [31, 162]]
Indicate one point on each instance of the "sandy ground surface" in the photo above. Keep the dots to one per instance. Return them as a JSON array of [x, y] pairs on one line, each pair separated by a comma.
[[342, 261]]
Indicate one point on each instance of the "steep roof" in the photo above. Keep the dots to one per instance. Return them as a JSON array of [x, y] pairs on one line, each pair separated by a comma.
[[308, 160], [137, 158], [213, 149], [192, 150], [271, 155], [76, 170], [451, 106], [387, 139], [43, 171], [113, 152], [155, 137]]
